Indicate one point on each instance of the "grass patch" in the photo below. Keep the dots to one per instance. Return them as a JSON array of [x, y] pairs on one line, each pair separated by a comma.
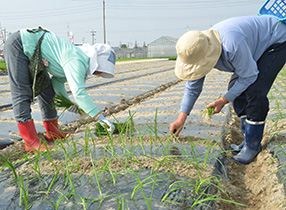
[[2, 66], [135, 59], [172, 58]]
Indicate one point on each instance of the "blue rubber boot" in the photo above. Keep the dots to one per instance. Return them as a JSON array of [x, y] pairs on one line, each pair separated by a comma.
[[252, 145], [238, 148]]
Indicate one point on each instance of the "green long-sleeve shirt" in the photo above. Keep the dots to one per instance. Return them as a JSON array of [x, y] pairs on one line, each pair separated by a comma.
[[67, 63]]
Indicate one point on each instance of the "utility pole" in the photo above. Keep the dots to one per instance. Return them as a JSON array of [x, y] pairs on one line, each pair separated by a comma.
[[68, 28], [104, 33], [3, 34], [93, 36], [70, 35]]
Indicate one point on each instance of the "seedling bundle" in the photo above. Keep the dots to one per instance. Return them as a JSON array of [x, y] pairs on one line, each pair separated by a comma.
[[119, 128], [61, 101], [208, 113]]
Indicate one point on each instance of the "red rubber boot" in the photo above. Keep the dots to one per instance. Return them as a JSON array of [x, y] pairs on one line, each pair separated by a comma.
[[29, 134], [53, 131]]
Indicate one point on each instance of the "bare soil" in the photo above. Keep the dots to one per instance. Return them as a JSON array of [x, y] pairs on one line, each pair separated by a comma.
[[256, 185]]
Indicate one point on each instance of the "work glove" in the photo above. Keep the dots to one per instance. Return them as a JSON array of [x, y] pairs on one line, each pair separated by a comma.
[[106, 123], [75, 109]]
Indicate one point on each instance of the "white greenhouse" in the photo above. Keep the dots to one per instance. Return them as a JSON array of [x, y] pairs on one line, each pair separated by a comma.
[[163, 47]]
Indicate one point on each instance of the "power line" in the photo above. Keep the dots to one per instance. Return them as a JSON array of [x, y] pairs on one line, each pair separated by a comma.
[[126, 5], [172, 5], [48, 12]]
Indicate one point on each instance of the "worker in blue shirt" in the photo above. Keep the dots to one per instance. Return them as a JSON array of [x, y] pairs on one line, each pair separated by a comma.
[[64, 62], [253, 48]]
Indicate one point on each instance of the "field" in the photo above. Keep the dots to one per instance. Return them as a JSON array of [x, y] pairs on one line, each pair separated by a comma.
[[144, 167]]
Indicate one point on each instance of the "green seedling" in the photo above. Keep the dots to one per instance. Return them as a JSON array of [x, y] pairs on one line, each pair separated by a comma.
[[61, 101], [120, 128], [100, 130], [104, 172], [9, 163], [208, 113]]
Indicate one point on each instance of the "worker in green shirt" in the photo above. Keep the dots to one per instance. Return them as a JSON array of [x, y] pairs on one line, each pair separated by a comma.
[[63, 62]]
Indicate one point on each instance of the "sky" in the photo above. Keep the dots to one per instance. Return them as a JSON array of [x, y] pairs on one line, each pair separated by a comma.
[[126, 21]]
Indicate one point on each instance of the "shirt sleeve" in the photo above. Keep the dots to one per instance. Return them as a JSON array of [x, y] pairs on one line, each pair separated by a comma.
[[59, 86], [75, 75], [193, 90], [245, 67]]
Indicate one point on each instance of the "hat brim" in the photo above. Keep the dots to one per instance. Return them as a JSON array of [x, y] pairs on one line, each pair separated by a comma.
[[192, 72], [107, 68], [196, 71]]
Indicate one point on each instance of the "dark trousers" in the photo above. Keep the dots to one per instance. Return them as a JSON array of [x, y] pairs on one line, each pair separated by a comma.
[[21, 85], [253, 102]]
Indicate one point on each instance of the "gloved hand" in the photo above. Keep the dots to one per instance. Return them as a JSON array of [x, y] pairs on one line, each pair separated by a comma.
[[106, 123], [75, 109]]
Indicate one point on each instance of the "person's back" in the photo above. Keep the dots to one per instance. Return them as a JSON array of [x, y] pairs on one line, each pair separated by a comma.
[[259, 32]]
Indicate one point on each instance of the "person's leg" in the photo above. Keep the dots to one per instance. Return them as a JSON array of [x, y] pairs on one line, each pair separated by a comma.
[[239, 103], [45, 100], [29, 134], [239, 106], [269, 65], [49, 115], [252, 143], [237, 148], [21, 91], [19, 78]]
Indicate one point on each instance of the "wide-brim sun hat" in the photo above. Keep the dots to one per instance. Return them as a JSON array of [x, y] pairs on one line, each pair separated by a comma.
[[197, 54], [102, 59]]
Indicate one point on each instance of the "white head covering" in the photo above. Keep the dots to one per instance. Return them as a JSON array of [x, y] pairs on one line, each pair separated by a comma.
[[198, 52], [102, 58]]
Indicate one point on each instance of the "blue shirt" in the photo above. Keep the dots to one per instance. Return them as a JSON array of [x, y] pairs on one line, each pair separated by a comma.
[[243, 41]]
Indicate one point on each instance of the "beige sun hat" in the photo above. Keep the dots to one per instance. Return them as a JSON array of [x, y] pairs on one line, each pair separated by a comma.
[[198, 52]]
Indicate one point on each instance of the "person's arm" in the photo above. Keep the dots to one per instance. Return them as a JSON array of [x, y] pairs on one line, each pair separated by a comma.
[[192, 91], [75, 76], [59, 86]]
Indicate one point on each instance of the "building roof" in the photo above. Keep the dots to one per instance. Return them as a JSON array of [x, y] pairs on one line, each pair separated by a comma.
[[164, 39], [129, 50]]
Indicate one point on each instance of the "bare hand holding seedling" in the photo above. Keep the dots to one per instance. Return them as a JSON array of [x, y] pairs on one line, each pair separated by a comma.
[[218, 104]]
